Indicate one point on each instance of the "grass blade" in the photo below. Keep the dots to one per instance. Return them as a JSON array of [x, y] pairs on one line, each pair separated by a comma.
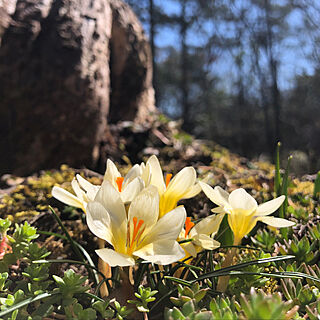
[[27, 301]]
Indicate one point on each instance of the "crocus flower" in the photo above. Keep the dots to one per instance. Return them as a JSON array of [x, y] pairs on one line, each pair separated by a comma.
[[84, 192], [201, 234], [243, 210], [129, 185], [182, 186], [136, 234]]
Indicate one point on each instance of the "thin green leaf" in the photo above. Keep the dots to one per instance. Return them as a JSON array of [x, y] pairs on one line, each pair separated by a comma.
[[181, 281], [243, 265], [316, 189], [26, 302], [277, 176]]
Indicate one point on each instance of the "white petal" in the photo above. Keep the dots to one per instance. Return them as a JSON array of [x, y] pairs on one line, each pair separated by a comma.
[[133, 173], [132, 190], [98, 221], [146, 173], [168, 227], [77, 190], [109, 197], [218, 210], [156, 174], [91, 189], [193, 191], [182, 182], [209, 225], [66, 197], [111, 173], [216, 195], [269, 206], [190, 248], [161, 252], [206, 242], [276, 222], [114, 258], [145, 206], [240, 199]]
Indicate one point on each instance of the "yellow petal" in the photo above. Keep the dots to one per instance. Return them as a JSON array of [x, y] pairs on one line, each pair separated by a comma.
[[182, 182], [114, 258], [190, 248], [241, 223], [66, 197], [269, 206], [276, 222]]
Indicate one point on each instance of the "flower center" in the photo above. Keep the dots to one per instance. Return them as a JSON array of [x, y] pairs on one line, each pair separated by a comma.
[[137, 224], [119, 182], [189, 225], [168, 178]]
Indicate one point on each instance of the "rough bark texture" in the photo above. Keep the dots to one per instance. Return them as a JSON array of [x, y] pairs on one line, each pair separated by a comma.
[[132, 95], [55, 80]]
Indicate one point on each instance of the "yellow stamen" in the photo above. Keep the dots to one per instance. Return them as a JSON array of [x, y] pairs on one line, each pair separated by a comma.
[[119, 182], [136, 227], [168, 178], [189, 225]]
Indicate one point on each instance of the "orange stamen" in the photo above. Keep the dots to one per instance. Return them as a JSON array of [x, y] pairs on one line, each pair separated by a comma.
[[189, 225], [168, 178], [136, 228], [119, 182]]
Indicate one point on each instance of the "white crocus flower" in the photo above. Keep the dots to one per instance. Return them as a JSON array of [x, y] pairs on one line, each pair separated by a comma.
[[84, 192], [182, 186], [201, 234], [243, 210], [129, 185], [136, 234]]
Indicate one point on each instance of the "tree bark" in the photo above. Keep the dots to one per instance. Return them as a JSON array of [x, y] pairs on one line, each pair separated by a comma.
[[55, 80]]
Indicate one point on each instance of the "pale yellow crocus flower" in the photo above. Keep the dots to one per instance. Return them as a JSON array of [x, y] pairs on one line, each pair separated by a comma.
[[182, 186], [136, 234], [131, 184], [243, 211], [243, 214], [84, 192], [201, 234]]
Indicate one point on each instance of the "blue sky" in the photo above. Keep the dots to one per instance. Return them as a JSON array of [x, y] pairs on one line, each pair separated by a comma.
[[294, 60]]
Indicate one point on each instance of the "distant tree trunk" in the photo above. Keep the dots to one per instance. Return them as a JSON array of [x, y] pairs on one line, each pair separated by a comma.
[[184, 81], [273, 65], [55, 79], [152, 45], [264, 103]]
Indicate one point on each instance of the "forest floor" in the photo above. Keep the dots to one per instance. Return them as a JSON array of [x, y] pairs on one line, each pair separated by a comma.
[[29, 198]]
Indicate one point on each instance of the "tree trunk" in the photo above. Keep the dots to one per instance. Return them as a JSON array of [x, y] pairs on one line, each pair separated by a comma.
[[184, 81], [55, 80]]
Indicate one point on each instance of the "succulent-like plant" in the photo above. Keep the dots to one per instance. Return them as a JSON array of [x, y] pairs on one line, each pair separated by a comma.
[[259, 305]]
